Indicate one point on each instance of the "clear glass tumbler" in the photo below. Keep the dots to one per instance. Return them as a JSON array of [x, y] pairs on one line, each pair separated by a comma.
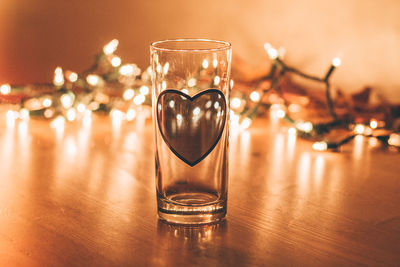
[[191, 83]]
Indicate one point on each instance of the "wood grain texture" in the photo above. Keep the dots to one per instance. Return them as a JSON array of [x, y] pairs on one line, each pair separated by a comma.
[[86, 197]]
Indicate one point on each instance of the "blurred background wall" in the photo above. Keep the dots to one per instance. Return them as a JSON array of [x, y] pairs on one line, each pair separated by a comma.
[[38, 35]]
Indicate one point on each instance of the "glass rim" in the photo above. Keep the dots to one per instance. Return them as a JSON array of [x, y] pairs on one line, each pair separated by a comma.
[[224, 45]]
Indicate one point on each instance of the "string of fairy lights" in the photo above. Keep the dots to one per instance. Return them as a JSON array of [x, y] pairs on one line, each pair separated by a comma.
[[108, 87], [122, 90], [282, 109]]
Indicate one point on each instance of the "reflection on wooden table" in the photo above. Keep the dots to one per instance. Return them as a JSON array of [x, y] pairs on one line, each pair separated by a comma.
[[83, 194]]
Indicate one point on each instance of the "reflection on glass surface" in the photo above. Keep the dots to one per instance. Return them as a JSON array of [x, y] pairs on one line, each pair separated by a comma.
[[192, 235]]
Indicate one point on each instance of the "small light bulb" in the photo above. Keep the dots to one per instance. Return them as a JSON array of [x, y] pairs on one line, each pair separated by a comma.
[[215, 62], [81, 108], [185, 91], [47, 102], [116, 61], [5, 89], [71, 114], [139, 99], [205, 64], [58, 122], [127, 70], [58, 77], [144, 90], [93, 105], [373, 124], [368, 131], [394, 139], [149, 70], [117, 115], [128, 94], [48, 113], [336, 61], [235, 102], [130, 114], [294, 108], [320, 146], [216, 80], [280, 113], [12, 115], [24, 114], [234, 118], [272, 52], [292, 131], [196, 111], [191, 82], [66, 100], [110, 48], [158, 68], [359, 129], [93, 79], [373, 142], [255, 96], [245, 123], [72, 77], [166, 68], [304, 126]]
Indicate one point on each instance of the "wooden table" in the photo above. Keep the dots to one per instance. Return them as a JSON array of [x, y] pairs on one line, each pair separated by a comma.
[[84, 195]]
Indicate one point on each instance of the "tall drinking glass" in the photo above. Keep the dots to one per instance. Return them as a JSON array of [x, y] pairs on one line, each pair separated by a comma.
[[191, 81]]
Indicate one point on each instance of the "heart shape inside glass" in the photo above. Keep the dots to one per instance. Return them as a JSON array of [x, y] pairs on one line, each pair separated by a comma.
[[191, 126]]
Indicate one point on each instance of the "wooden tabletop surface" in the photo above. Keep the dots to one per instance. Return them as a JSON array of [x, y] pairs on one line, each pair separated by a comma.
[[84, 195]]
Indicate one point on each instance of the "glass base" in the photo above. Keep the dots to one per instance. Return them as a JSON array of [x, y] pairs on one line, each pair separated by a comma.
[[191, 208]]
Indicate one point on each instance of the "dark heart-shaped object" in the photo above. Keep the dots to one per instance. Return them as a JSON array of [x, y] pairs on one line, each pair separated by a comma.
[[191, 126]]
